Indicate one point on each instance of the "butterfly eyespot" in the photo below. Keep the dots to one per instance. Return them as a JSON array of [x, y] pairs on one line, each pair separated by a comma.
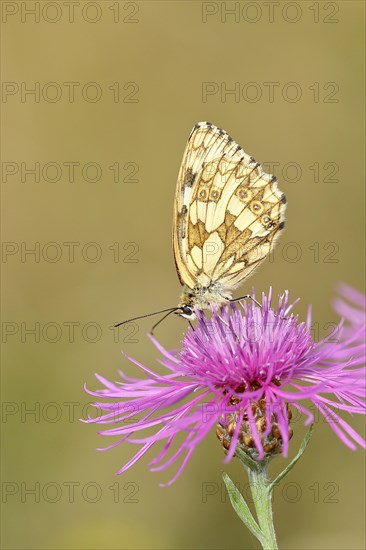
[[257, 207], [202, 194], [244, 194], [266, 220], [215, 194]]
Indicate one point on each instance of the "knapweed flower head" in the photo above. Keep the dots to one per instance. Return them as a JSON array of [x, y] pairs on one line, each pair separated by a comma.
[[240, 370]]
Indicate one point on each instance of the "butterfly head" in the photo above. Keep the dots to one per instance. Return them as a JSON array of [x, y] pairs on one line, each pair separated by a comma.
[[201, 297], [186, 311], [187, 304]]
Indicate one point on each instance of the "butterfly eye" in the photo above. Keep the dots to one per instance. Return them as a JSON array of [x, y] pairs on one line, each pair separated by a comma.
[[186, 310]]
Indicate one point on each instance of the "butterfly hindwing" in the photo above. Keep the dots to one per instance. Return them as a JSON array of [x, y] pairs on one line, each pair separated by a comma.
[[227, 214]]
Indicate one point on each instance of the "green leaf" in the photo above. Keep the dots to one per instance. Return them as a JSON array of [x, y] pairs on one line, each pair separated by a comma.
[[288, 468], [241, 508], [246, 460]]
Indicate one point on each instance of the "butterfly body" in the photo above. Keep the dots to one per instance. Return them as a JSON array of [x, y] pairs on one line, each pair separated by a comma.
[[202, 297], [227, 216]]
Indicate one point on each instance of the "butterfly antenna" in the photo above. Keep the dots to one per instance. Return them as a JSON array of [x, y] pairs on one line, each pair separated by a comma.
[[170, 310]]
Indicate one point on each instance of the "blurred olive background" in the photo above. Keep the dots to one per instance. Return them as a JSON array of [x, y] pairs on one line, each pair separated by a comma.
[[142, 74]]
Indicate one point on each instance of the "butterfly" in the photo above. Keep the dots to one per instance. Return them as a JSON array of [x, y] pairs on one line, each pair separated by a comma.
[[228, 214]]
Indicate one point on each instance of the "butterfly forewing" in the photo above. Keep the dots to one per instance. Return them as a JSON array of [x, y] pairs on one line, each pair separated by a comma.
[[227, 213]]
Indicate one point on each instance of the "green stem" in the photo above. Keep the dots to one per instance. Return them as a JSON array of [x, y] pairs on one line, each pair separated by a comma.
[[262, 490], [262, 497]]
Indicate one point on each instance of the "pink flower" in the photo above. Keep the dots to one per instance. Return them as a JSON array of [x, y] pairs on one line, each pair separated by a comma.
[[351, 305], [243, 363]]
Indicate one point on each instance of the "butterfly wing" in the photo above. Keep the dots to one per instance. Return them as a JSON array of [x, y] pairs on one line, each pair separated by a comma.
[[227, 214]]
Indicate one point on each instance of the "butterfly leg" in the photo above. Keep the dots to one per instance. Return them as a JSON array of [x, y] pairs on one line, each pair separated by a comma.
[[228, 326], [162, 319], [254, 300], [245, 298]]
